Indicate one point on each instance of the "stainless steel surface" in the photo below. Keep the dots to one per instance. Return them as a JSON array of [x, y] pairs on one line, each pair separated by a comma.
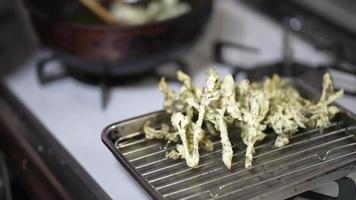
[[312, 158]]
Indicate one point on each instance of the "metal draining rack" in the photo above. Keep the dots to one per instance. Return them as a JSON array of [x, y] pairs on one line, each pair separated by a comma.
[[311, 159]]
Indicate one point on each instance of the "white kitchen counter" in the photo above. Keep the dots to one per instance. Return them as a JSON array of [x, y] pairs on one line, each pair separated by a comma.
[[71, 110]]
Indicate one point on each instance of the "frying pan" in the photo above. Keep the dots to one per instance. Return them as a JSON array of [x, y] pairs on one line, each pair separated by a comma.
[[98, 49]]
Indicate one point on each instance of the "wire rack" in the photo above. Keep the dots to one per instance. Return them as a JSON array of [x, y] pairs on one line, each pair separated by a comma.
[[311, 158]]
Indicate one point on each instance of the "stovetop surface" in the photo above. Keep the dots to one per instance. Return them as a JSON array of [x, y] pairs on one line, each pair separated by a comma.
[[71, 110]]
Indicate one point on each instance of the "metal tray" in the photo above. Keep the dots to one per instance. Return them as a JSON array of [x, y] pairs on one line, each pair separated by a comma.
[[311, 159]]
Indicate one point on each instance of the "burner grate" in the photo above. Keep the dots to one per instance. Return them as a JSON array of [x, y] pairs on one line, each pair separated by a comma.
[[311, 159], [288, 66], [104, 80]]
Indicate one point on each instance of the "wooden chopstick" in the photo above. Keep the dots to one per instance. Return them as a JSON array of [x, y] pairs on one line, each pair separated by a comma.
[[100, 11]]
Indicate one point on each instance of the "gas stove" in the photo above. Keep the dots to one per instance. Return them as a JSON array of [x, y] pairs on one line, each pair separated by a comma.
[[71, 109]]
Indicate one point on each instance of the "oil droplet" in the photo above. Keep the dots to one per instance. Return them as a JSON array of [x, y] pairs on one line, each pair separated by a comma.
[[323, 156], [221, 187], [165, 146], [216, 192], [213, 195]]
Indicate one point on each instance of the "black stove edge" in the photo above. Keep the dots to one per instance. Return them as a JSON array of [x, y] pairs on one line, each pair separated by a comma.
[[47, 168]]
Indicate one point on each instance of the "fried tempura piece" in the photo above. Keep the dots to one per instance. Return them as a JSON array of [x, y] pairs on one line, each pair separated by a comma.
[[228, 105], [174, 102], [163, 133], [170, 97], [210, 95], [254, 110], [191, 155], [287, 109], [199, 114], [322, 112]]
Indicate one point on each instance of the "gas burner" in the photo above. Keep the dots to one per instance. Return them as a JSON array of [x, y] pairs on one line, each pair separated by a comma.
[[287, 67], [105, 81]]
